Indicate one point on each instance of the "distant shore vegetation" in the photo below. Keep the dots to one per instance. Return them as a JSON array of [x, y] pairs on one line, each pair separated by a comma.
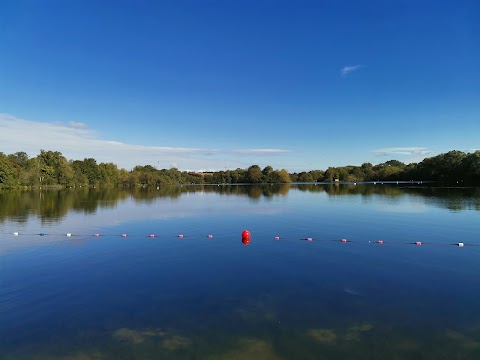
[[51, 169]]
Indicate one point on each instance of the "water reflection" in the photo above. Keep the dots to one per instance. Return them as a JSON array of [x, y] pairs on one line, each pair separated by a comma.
[[54, 204]]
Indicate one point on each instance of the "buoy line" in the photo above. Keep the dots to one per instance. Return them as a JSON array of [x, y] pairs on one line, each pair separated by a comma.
[[246, 238]]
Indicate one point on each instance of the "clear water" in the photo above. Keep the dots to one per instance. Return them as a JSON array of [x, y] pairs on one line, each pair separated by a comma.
[[137, 297]]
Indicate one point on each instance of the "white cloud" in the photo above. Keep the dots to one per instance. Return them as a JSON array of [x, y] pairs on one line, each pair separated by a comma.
[[349, 69], [406, 151], [75, 141]]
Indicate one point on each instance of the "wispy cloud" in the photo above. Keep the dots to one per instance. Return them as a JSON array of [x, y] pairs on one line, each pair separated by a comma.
[[404, 151], [76, 124], [261, 151], [405, 154], [75, 141], [349, 69]]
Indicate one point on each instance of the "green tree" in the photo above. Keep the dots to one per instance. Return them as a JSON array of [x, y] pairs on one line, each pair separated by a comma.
[[20, 159], [284, 176], [367, 170], [54, 168], [444, 167], [471, 168], [305, 177], [89, 168], [330, 174], [7, 172], [21, 164], [108, 174], [254, 174], [267, 174], [79, 177], [317, 175]]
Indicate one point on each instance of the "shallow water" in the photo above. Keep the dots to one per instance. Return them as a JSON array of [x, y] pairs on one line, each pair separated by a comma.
[[142, 297]]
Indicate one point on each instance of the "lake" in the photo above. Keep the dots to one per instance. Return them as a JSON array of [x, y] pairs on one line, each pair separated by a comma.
[[141, 291]]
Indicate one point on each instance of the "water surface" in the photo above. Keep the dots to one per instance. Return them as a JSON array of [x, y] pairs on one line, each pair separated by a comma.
[[142, 297]]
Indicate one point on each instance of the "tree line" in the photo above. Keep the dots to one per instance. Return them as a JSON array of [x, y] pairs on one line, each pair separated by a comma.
[[51, 168]]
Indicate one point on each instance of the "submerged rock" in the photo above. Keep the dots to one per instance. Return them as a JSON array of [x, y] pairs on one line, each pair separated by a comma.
[[326, 336], [136, 336], [247, 349], [176, 342], [354, 331]]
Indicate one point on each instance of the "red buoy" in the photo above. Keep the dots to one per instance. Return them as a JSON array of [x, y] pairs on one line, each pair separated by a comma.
[[245, 234], [245, 241]]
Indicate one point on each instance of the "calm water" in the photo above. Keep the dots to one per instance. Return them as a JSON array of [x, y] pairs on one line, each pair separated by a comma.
[[137, 297]]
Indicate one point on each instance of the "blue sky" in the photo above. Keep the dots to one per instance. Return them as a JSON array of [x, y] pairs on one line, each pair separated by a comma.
[[211, 84]]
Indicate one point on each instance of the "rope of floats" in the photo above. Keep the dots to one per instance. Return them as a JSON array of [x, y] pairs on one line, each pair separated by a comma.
[[246, 238]]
